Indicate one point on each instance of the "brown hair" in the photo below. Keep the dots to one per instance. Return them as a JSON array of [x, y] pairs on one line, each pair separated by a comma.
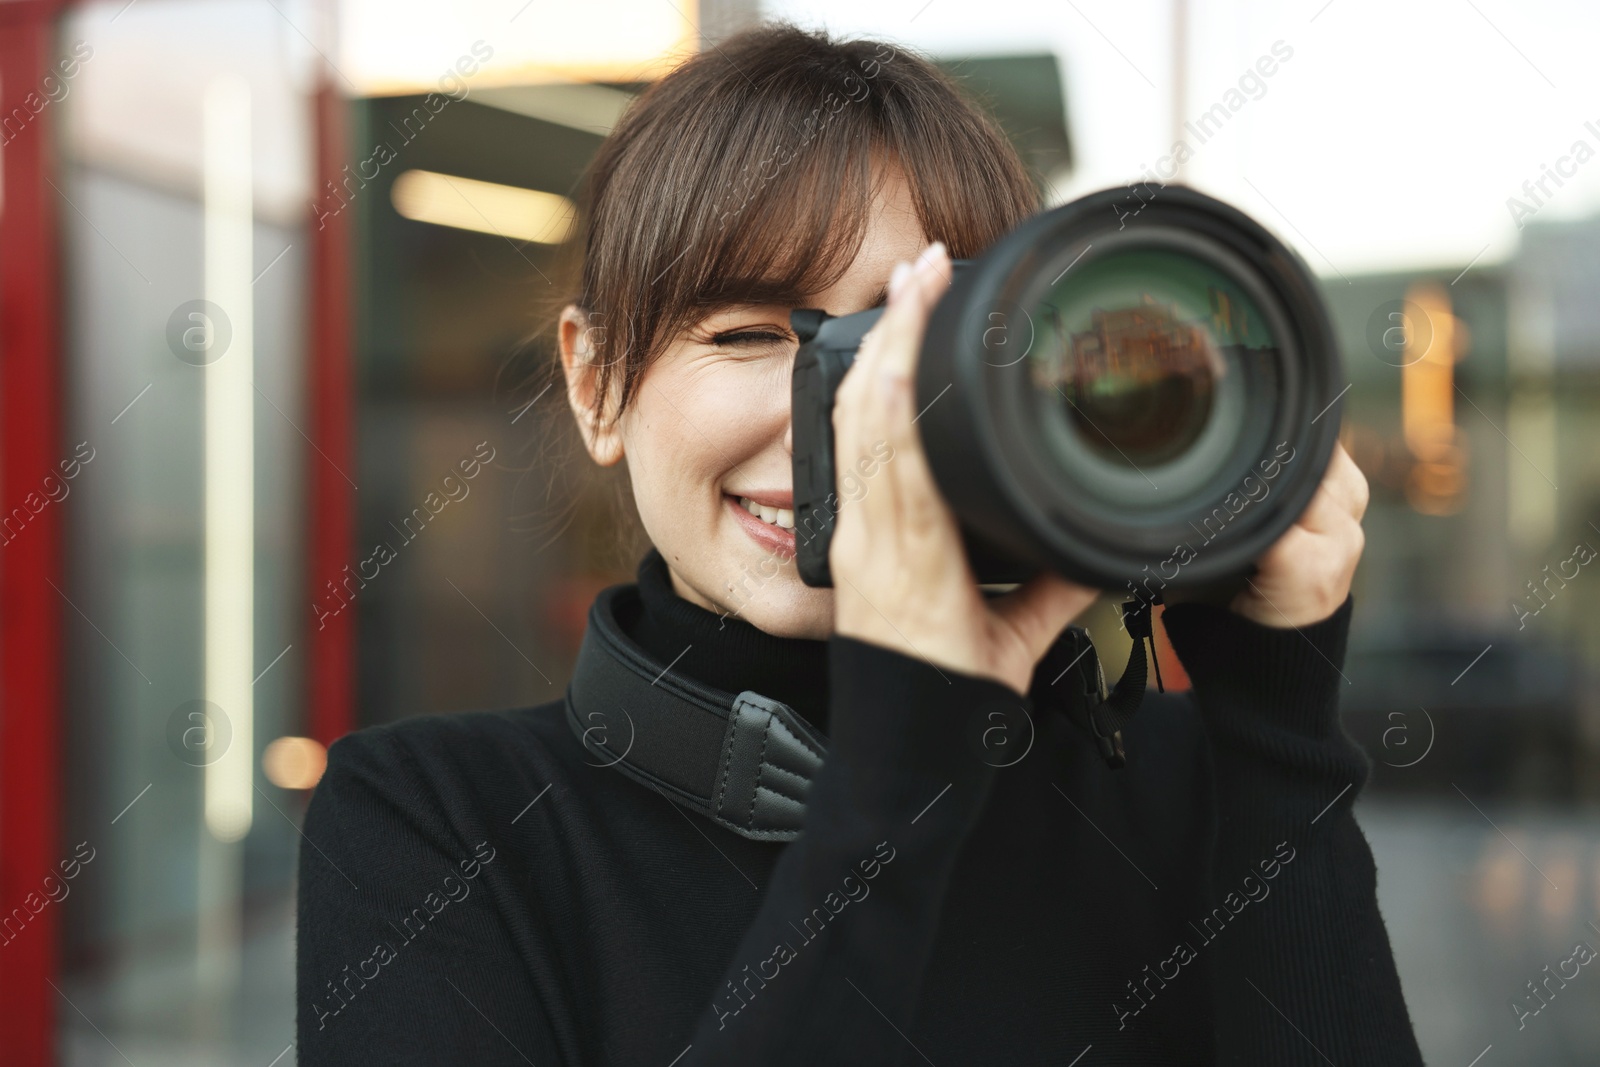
[[746, 176]]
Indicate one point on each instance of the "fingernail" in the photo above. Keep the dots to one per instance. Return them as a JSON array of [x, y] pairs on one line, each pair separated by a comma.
[[897, 278], [927, 257]]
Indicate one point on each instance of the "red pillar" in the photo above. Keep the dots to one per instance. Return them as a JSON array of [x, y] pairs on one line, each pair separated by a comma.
[[330, 500], [30, 545]]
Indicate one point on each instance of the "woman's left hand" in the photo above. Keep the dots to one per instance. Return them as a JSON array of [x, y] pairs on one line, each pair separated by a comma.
[[1305, 576]]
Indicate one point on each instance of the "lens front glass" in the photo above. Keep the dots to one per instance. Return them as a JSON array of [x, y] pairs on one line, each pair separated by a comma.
[[1151, 377]]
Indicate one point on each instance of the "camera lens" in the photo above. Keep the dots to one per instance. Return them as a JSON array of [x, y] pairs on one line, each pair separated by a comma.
[[1135, 387], [1137, 346], [1145, 364]]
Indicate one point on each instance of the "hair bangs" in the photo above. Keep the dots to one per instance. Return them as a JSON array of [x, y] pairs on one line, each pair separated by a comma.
[[794, 234], [749, 176]]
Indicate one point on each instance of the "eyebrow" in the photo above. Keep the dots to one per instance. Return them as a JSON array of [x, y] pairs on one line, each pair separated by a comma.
[[880, 299]]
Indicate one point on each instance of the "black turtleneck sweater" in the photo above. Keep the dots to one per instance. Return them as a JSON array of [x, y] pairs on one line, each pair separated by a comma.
[[727, 652], [473, 889]]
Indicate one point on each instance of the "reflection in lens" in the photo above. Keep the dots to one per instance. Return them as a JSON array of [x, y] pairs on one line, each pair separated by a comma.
[[1143, 364], [1139, 381]]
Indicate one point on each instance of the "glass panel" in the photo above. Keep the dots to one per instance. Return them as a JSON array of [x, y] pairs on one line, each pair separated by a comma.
[[483, 532], [184, 178]]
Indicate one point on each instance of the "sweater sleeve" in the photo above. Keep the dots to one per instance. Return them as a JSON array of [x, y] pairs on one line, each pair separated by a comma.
[[846, 926], [836, 949], [1302, 968]]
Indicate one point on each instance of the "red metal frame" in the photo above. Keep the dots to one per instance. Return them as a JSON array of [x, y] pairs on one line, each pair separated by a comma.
[[1173, 677], [31, 400], [30, 560], [330, 503]]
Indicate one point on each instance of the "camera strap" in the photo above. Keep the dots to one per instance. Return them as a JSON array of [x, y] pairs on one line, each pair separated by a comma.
[[742, 760], [1106, 719], [746, 761]]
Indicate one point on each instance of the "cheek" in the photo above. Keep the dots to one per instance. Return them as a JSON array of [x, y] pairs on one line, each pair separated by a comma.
[[691, 427]]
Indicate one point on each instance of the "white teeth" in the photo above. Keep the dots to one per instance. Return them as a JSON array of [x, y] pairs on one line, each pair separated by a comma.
[[780, 517]]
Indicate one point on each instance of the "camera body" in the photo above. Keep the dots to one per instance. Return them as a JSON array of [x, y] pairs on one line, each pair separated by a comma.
[[828, 346], [1127, 390]]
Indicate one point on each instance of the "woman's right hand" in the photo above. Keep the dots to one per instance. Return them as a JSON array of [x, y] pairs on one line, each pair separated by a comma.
[[901, 577]]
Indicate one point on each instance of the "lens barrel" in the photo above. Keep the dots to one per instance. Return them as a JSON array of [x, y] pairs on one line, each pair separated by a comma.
[[1136, 390]]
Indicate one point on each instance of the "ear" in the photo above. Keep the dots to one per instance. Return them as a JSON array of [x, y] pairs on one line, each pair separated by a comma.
[[601, 437]]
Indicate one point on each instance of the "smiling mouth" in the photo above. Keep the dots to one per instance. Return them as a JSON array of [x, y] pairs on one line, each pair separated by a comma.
[[770, 527], [783, 518]]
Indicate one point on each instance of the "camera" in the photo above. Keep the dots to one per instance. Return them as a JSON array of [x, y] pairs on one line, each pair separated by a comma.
[[1138, 389]]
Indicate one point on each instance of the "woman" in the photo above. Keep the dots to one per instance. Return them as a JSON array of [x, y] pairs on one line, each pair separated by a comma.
[[502, 888]]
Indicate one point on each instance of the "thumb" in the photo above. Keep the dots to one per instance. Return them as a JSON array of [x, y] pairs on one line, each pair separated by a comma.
[[1039, 609]]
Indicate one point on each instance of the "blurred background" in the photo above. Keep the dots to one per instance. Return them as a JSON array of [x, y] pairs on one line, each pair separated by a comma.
[[276, 282]]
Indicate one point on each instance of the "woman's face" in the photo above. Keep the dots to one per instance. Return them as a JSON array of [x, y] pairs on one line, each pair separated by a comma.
[[708, 437]]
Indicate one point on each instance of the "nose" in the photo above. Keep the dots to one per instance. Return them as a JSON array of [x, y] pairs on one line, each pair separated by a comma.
[[788, 434]]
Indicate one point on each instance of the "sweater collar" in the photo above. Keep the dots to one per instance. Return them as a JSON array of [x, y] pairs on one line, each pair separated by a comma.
[[725, 651]]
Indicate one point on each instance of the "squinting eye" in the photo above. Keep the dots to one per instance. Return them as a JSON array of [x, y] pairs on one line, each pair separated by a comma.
[[746, 337]]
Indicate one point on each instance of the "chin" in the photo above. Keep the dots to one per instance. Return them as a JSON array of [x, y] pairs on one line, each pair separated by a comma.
[[812, 625], [784, 606]]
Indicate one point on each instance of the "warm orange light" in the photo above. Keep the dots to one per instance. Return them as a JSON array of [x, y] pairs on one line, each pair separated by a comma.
[[1428, 379], [486, 207], [294, 762], [388, 47], [1438, 479]]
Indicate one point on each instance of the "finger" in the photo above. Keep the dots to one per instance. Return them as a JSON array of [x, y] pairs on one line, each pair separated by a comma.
[[853, 422], [900, 501], [1346, 483], [1340, 538], [893, 344], [1305, 576], [1340, 499], [1288, 553], [1323, 513], [860, 379], [1039, 609], [881, 413], [906, 319]]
